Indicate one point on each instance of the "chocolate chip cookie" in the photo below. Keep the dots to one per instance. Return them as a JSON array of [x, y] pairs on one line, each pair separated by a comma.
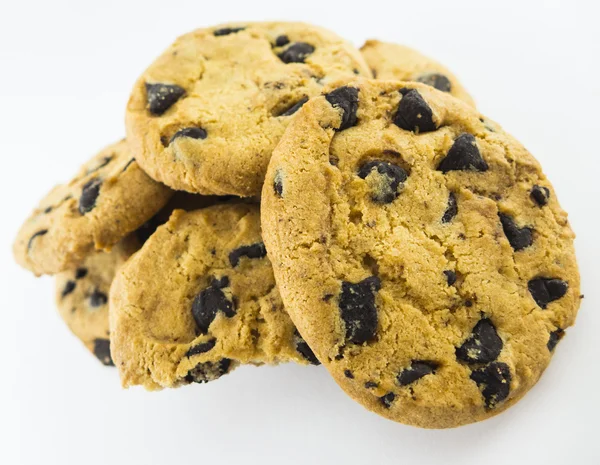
[[82, 296], [197, 300], [397, 62], [420, 251], [109, 197], [206, 115]]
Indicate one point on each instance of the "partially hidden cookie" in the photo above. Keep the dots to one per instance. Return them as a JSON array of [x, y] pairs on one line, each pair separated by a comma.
[[206, 115], [197, 300], [82, 296], [390, 61], [420, 251], [109, 197]]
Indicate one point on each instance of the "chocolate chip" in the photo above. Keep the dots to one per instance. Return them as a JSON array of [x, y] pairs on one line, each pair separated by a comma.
[[540, 195], [345, 98], [519, 238], [81, 273], [436, 80], [160, 97], [281, 40], [482, 346], [208, 371], [102, 352], [201, 348], [303, 349], [97, 299], [546, 290], [192, 133], [278, 184], [555, 336], [294, 108], [464, 155], [450, 277], [296, 53], [348, 374], [494, 380], [37, 234], [210, 301], [251, 251], [386, 178], [417, 369], [414, 113], [358, 310], [388, 399], [224, 31], [69, 287], [371, 384], [451, 209], [89, 194], [48, 209]]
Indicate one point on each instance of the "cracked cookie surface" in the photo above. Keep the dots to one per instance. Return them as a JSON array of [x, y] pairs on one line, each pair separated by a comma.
[[197, 300], [109, 197], [390, 61], [206, 115], [428, 265]]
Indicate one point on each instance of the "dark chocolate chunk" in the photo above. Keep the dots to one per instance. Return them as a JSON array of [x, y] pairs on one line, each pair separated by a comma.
[[388, 399], [102, 352], [414, 113], [296, 53], [251, 251], [89, 194], [494, 381], [345, 98], [293, 108], [464, 155], [160, 97], [519, 238], [450, 277], [192, 133], [358, 310], [451, 209], [417, 369], [201, 348], [210, 301], [69, 287], [225, 31], [208, 371], [540, 195], [278, 184], [371, 384], [81, 273], [282, 40], [303, 349], [546, 290], [482, 346], [348, 374], [97, 299], [555, 336], [389, 178], [37, 234], [436, 80]]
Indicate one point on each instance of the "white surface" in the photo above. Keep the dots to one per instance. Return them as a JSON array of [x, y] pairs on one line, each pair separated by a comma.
[[66, 71]]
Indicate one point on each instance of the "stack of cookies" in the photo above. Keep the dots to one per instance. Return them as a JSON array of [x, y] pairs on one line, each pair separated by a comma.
[[284, 197]]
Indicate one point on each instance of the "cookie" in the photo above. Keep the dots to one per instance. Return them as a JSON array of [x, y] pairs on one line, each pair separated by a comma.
[[199, 299], [429, 265], [109, 197], [82, 296], [206, 115], [396, 62]]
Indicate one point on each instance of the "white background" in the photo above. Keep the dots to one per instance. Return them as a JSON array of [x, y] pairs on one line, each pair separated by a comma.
[[66, 69]]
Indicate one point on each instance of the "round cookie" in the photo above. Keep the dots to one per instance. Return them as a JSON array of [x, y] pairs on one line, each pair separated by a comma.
[[392, 61], [109, 197], [206, 115], [429, 266], [82, 296], [197, 300]]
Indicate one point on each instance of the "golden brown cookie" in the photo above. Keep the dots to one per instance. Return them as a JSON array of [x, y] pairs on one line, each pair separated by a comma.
[[197, 300], [420, 251], [109, 197], [206, 115]]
